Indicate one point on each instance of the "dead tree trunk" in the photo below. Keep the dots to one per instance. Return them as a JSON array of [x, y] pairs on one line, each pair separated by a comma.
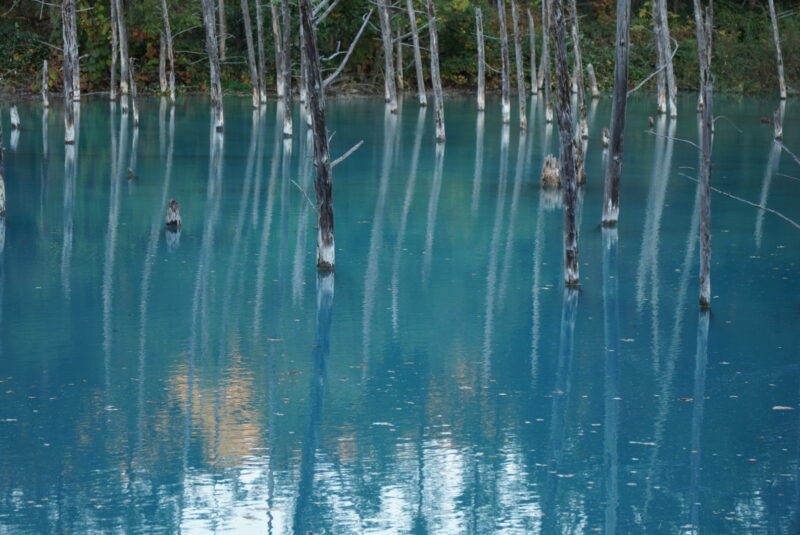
[[532, 33], [323, 185], [278, 42], [583, 129], [593, 81], [661, 55], [412, 19], [436, 79], [618, 106], [286, 50], [778, 55], [481, 60], [134, 107], [546, 78], [45, 100], [262, 82], [112, 93], [223, 30], [567, 163], [70, 55], [522, 93], [213, 63], [506, 103], [698, 21], [399, 56], [162, 65], [2, 178], [706, 130], [122, 33], [389, 76], [303, 86], [170, 49], [666, 46], [251, 53]]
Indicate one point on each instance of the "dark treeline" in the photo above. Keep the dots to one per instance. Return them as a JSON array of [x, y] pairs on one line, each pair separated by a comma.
[[31, 33]]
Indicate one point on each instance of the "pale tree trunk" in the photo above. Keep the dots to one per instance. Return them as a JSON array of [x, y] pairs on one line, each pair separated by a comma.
[[618, 106], [593, 81], [412, 19], [303, 66], [286, 49], [45, 100], [213, 63], [778, 55], [567, 162], [223, 30], [436, 78], [15, 123], [170, 49], [112, 94], [162, 64], [134, 107], [481, 60], [546, 78], [522, 93], [262, 81], [401, 85], [706, 130], [389, 77], [666, 46], [278, 41], [70, 55], [701, 59], [251, 54], [580, 84], [532, 32], [122, 33], [506, 103], [661, 55], [323, 185], [2, 178]]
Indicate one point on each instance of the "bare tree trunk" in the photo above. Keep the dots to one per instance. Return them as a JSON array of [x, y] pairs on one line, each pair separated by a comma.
[[532, 32], [45, 79], [213, 63], [618, 106], [251, 53], [122, 33], [436, 79], [134, 107], [481, 60], [506, 104], [593, 81], [323, 185], [112, 94], [706, 131], [412, 19], [302, 90], [286, 49], [2, 177], [698, 21], [661, 55], [170, 49], [666, 46], [262, 81], [583, 129], [399, 52], [522, 92], [70, 56], [162, 64], [278, 41], [389, 77], [546, 78], [566, 135], [223, 30], [778, 55]]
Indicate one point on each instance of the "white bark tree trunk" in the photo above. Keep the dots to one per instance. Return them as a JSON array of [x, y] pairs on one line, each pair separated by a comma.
[[162, 64], [389, 75], [213, 63], [436, 78], [412, 19], [532, 32], [593, 81], [70, 56], [170, 50], [481, 60], [122, 33], [251, 53], [262, 81], [134, 107], [661, 55], [778, 55], [2, 178], [522, 93], [618, 107], [583, 129], [701, 59], [112, 93], [401, 85], [286, 51], [45, 81], [666, 46], [706, 139], [546, 78], [504, 62], [278, 42], [223, 30]]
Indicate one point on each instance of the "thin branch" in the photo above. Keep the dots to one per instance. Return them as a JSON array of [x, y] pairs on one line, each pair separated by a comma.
[[318, 20], [339, 69], [639, 86], [692, 143], [341, 158], [306, 196], [788, 176], [793, 155], [50, 45]]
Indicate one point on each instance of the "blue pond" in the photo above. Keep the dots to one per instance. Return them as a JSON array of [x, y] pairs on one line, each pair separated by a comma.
[[443, 380]]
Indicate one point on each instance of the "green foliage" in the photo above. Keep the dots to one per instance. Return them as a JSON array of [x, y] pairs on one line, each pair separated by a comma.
[[21, 55]]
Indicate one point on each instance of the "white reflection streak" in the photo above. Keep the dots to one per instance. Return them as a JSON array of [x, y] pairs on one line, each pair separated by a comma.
[[611, 401], [698, 410], [508, 254], [433, 205], [476, 181], [301, 241], [769, 173], [445, 481]]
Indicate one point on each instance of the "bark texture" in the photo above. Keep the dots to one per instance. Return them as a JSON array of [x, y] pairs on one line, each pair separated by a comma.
[[70, 55], [481, 59], [134, 106], [412, 19], [522, 92], [593, 81], [213, 63], [162, 64], [122, 33], [251, 52], [223, 30], [262, 81], [546, 78], [2, 178], [506, 102], [112, 92], [436, 79], [389, 75], [45, 100], [706, 139], [532, 33], [278, 45], [170, 49], [286, 49], [778, 55], [583, 126]]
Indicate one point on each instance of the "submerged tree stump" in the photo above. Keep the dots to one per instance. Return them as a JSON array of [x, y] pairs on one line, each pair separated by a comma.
[[550, 178], [15, 123], [606, 137], [173, 215]]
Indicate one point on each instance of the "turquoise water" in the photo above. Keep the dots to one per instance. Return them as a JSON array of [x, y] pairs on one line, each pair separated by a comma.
[[443, 380]]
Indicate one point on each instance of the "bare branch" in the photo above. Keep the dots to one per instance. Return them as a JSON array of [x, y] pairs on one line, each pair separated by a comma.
[[306, 196], [341, 158], [692, 143], [790, 153], [341, 66], [318, 20], [639, 86]]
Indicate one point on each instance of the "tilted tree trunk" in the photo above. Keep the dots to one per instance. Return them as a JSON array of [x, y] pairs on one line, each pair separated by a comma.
[[412, 19], [778, 55], [481, 60], [389, 76], [618, 107], [45, 78], [251, 53], [162, 64], [134, 106], [323, 185], [583, 128], [278, 43], [70, 55], [566, 135], [436, 78], [223, 30], [666, 46], [286, 49], [593, 81], [532, 32], [661, 55], [170, 49], [122, 33], [506, 103], [546, 78], [522, 92], [112, 93], [706, 131], [262, 80], [213, 63]]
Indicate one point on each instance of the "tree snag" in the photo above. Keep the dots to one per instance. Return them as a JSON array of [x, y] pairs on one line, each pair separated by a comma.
[[481, 60], [778, 55], [532, 32], [389, 76], [213, 63], [436, 79], [412, 19], [506, 104]]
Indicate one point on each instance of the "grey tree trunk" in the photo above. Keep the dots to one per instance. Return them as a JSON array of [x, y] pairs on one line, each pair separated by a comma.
[[706, 131], [567, 162], [262, 81], [2, 178], [112, 93], [162, 64], [251, 53], [546, 78], [389, 76], [593, 81], [506, 103], [522, 92], [223, 30], [401, 85], [286, 51], [481, 60], [778, 55], [302, 89], [134, 107], [70, 56], [170, 50], [618, 106], [666, 46], [436, 79], [583, 128], [45, 78], [278, 42], [412, 19], [701, 58], [323, 185], [532, 32], [122, 33], [661, 55], [213, 63]]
